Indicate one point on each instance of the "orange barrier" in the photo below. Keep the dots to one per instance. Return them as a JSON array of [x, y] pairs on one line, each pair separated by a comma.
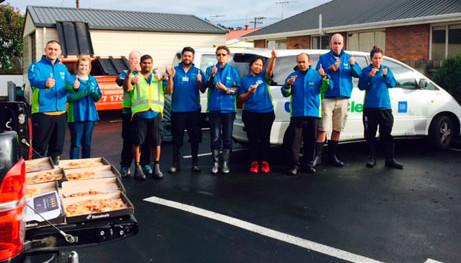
[[112, 94]]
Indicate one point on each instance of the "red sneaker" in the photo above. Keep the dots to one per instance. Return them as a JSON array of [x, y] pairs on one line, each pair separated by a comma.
[[265, 167], [254, 167]]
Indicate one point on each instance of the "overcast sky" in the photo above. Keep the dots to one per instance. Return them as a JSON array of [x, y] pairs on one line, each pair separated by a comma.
[[229, 13]]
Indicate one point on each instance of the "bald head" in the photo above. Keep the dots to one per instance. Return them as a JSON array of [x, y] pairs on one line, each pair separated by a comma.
[[133, 59], [337, 43]]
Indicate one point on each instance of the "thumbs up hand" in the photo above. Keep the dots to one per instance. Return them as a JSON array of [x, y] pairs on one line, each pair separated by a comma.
[[199, 77], [352, 60], [76, 83], [291, 81], [214, 70], [50, 82], [385, 70], [321, 71]]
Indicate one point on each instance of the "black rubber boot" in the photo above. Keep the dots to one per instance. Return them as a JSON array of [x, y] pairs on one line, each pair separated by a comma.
[[371, 162], [215, 156], [333, 147], [176, 159], [318, 154], [157, 173], [390, 160], [194, 151]]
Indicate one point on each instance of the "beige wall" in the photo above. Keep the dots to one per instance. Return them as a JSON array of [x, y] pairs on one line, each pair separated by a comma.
[[160, 45]]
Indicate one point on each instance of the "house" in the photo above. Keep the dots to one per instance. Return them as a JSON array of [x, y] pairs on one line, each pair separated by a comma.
[[413, 31], [233, 38], [109, 35]]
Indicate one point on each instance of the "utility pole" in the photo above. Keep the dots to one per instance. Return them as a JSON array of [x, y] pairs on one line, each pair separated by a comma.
[[257, 20], [284, 3]]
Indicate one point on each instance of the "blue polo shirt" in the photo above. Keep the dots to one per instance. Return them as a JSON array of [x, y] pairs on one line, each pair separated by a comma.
[[186, 96], [342, 78], [376, 89], [261, 100]]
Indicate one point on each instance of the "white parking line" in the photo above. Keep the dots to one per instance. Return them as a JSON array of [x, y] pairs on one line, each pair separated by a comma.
[[327, 250], [209, 153], [432, 261]]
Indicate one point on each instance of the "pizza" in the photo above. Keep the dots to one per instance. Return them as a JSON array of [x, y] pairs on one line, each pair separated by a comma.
[[43, 177], [89, 192], [80, 175], [31, 191], [84, 164], [94, 206]]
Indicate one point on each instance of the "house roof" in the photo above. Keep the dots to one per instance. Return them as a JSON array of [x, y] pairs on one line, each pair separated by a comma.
[[239, 33], [345, 15], [122, 20]]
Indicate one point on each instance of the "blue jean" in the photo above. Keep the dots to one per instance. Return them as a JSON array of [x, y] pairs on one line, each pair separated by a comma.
[[81, 133], [221, 126]]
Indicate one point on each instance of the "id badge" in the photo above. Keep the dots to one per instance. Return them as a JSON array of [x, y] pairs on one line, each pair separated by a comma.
[[185, 79]]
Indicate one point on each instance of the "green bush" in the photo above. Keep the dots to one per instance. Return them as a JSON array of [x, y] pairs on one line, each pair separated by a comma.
[[449, 76]]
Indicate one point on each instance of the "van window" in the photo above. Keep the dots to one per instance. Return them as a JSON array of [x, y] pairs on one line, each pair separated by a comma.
[[404, 76], [177, 59], [284, 66], [207, 60], [241, 62]]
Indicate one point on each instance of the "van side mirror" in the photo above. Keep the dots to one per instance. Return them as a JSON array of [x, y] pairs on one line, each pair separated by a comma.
[[422, 83]]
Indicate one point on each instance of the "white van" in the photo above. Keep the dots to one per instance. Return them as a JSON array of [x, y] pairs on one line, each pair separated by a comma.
[[420, 107]]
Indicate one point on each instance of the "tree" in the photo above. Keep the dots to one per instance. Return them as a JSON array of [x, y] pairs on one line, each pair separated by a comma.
[[449, 76], [11, 24]]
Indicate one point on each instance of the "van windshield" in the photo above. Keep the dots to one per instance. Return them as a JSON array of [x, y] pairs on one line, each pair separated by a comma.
[[285, 65]]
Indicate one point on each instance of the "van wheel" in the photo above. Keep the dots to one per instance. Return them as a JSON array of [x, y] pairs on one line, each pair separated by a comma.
[[441, 131]]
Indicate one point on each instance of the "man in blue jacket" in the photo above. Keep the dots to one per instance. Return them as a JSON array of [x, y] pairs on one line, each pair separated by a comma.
[[341, 68], [50, 80], [184, 83], [305, 86]]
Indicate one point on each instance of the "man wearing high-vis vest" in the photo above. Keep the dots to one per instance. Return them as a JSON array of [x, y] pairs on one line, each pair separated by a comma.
[[127, 126], [147, 97]]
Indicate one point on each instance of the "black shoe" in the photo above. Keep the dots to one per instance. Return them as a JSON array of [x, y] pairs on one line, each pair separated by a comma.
[[336, 162], [55, 159], [310, 169], [292, 171], [371, 161], [393, 164], [139, 173]]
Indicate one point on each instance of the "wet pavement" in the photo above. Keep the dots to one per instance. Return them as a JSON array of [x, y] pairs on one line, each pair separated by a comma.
[[355, 213]]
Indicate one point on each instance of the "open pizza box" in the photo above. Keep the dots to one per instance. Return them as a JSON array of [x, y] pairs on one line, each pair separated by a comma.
[[44, 176], [44, 206], [39, 164], [38, 189], [91, 187], [83, 163], [77, 209], [105, 171]]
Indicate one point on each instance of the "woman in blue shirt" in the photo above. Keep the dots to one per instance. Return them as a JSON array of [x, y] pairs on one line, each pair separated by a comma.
[[377, 111], [223, 82], [258, 112], [81, 110]]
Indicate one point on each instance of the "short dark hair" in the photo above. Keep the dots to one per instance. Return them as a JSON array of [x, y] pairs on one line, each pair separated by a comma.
[[223, 47], [375, 50], [54, 41], [144, 57], [188, 49], [253, 60]]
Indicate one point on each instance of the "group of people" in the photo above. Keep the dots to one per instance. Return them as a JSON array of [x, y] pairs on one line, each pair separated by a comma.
[[319, 102], [53, 86]]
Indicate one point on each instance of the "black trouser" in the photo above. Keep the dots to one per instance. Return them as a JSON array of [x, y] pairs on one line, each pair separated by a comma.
[[48, 134], [305, 129], [371, 119], [181, 121], [127, 148], [258, 127]]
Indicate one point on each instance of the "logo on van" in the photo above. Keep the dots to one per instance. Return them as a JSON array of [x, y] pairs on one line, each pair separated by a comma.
[[403, 107], [287, 106]]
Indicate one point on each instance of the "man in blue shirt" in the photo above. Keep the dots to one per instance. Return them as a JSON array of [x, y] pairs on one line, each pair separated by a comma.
[[341, 68], [50, 80], [184, 83], [304, 86]]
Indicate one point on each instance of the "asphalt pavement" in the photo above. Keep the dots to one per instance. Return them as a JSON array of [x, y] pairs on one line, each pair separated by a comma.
[[349, 214]]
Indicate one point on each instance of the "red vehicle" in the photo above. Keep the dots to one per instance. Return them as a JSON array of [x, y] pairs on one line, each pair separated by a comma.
[[18, 244]]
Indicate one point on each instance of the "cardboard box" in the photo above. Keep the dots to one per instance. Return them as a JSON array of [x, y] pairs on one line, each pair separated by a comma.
[[45, 206], [46, 176], [40, 164], [38, 189], [128, 209], [83, 163], [102, 185], [105, 171]]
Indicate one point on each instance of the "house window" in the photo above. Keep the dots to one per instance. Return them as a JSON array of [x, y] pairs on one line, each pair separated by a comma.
[[446, 41], [278, 44], [321, 42]]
